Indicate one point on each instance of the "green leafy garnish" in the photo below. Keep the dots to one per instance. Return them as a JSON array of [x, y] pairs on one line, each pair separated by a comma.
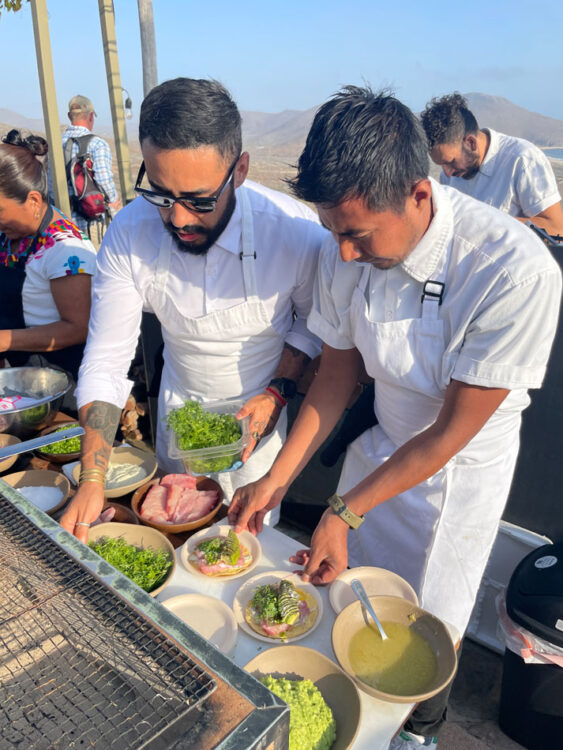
[[145, 567], [265, 603], [70, 445], [197, 428], [226, 549], [211, 549]]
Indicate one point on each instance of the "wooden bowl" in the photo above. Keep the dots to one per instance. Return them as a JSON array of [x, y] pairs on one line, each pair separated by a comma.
[[40, 478], [202, 483], [140, 536], [57, 458], [394, 609], [123, 514], [338, 690], [5, 441]]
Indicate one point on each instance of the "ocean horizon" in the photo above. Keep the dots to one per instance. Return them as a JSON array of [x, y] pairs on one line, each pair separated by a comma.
[[553, 153]]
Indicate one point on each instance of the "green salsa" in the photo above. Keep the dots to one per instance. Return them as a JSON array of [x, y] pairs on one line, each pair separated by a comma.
[[403, 664], [311, 723]]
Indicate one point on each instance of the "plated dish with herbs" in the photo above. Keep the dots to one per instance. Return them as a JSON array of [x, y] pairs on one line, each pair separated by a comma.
[[217, 552], [277, 606]]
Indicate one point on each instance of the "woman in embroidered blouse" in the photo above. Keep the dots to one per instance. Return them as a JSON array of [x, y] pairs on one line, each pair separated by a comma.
[[46, 264]]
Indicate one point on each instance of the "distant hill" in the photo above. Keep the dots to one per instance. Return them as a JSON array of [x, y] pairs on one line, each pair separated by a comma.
[[501, 114], [276, 140]]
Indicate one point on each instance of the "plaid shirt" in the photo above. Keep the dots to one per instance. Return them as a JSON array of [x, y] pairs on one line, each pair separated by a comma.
[[101, 156]]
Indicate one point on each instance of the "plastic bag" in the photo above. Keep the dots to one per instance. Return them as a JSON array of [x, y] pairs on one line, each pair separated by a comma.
[[530, 647]]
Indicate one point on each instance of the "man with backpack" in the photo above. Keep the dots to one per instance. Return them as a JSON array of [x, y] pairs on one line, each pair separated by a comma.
[[88, 161]]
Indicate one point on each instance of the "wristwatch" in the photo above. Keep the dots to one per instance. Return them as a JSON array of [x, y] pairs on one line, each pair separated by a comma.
[[286, 387], [341, 509]]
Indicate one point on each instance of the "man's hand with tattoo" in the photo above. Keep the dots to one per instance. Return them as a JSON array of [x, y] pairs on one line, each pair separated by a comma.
[[264, 409], [100, 421]]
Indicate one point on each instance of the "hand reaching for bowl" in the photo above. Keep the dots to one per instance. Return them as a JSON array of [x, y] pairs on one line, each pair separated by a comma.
[[328, 555], [85, 510]]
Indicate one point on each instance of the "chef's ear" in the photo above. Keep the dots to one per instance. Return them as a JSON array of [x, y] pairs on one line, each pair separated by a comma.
[[470, 142], [421, 192], [241, 169]]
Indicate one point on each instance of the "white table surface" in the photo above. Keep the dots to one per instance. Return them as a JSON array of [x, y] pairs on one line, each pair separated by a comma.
[[380, 720]]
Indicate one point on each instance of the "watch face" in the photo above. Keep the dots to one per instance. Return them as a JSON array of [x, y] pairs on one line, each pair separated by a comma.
[[286, 386]]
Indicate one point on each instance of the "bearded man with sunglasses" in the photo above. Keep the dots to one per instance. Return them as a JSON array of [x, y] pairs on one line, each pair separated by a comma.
[[227, 268]]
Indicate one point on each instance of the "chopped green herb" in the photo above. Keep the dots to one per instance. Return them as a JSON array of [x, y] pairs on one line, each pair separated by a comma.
[[145, 567], [196, 428], [217, 548], [265, 602], [71, 445], [211, 549]]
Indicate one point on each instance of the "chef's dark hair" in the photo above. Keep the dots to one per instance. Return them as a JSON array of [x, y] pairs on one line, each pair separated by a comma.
[[20, 168], [448, 120], [190, 112], [362, 145]]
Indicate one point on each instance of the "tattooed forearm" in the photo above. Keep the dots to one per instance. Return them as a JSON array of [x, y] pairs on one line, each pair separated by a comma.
[[100, 421], [104, 418]]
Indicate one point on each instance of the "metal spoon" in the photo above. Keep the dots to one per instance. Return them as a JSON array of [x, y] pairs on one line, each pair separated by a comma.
[[359, 590]]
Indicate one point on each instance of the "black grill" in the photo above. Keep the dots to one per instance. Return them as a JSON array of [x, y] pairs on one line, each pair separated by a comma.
[[79, 666]]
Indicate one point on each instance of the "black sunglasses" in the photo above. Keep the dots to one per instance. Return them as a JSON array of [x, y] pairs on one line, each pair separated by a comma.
[[199, 205]]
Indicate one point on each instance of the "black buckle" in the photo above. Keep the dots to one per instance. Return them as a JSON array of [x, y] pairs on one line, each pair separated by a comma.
[[241, 255], [434, 290]]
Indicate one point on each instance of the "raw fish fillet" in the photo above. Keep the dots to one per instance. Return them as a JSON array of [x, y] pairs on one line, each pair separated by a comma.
[[154, 505], [181, 480], [219, 567], [193, 505], [174, 493]]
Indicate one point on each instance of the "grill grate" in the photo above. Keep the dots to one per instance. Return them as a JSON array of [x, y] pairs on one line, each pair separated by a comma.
[[79, 667]]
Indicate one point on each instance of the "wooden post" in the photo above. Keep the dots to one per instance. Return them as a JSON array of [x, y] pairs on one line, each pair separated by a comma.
[[148, 45], [49, 102], [107, 22]]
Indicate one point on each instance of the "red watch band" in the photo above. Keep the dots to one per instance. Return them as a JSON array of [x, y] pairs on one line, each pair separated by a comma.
[[276, 395]]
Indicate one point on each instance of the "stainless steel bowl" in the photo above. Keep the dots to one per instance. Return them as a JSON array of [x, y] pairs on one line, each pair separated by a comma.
[[45, 385]]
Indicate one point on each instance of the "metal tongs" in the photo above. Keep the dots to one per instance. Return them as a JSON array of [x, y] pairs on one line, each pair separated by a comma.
[[35, 443], [359, 590]]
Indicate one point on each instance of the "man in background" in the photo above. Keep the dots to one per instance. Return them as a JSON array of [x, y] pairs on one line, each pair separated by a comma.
[[506, 172], [81, 114]]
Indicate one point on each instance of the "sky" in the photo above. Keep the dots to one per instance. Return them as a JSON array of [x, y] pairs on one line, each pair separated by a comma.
[[275, 56]]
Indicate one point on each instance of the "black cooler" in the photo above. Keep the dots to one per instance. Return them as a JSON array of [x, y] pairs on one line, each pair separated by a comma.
[[531, 706]]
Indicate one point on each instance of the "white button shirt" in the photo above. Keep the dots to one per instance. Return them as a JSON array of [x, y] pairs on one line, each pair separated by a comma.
[[287, 240], [501, 299], [515, 176]]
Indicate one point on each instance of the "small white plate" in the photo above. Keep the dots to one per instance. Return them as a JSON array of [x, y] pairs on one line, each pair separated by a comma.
[[246, 592], [246, 538], [376, 581], [208, 616]]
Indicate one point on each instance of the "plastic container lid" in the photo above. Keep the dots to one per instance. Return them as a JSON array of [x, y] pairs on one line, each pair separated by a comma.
[[219, 458], [534, 598]]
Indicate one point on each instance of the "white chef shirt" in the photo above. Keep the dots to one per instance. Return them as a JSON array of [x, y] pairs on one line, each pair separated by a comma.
[[515, 176], [287, 240], [501, 297]]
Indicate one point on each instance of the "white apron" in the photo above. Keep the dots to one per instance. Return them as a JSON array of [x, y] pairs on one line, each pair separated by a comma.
[[437, 535], [230, 353]]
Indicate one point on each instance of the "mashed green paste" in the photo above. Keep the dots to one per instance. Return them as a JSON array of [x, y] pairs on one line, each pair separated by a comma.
[[311, 723]]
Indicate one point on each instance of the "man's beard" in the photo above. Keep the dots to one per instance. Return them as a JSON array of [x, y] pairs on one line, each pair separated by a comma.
[[472, 168], [211, 234]]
